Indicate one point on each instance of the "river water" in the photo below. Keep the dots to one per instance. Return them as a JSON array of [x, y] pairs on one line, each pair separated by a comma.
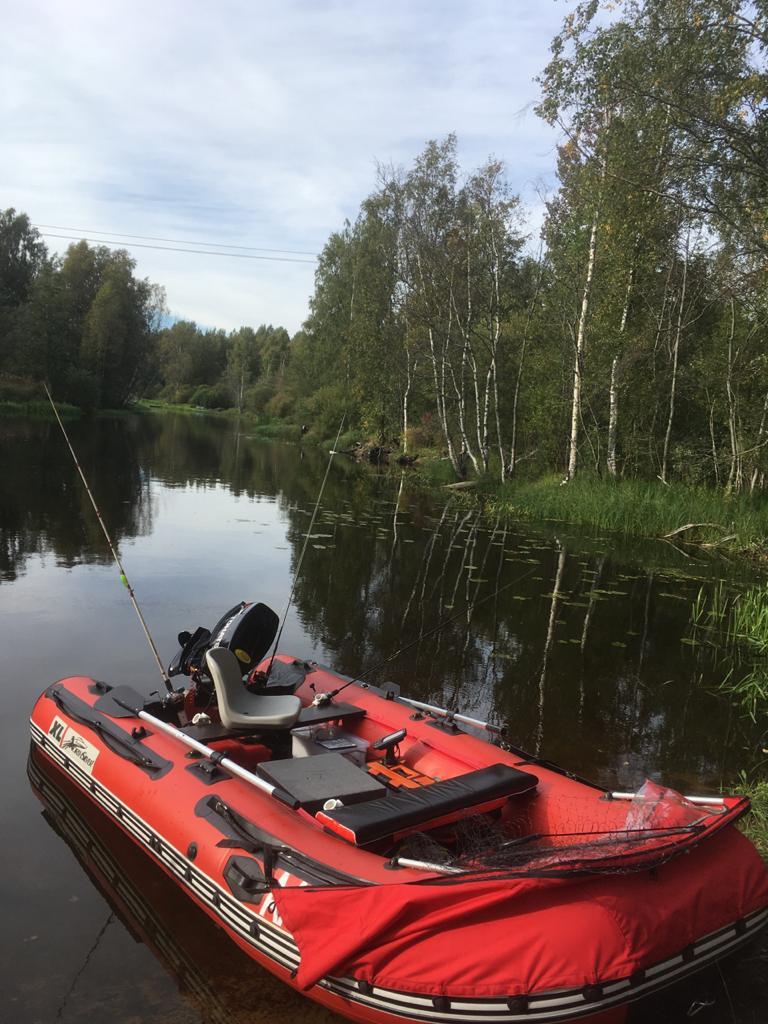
[[580, 645]]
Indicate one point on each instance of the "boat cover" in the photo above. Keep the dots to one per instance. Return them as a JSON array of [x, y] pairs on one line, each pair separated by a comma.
[[513, 936]]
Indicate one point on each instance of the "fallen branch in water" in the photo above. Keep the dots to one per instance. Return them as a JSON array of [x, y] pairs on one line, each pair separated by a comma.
[[693, 526], [718, 543]]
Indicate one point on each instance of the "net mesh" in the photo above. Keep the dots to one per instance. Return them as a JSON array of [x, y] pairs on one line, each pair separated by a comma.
[[626, 836]]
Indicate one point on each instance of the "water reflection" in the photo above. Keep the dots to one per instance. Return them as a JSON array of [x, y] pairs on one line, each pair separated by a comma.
[[577, 648], [217, 983], [575, 644]]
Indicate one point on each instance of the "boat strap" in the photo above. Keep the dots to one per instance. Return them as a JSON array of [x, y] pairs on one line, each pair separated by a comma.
[[118, 740]]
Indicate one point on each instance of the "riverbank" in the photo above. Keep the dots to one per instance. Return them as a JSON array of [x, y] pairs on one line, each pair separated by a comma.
[[254, 425], [686, 516], [39, 409], [689, 517], [755, 825]]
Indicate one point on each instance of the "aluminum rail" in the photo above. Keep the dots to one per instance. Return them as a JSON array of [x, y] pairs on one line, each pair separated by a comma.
[[213, 755], [452, 715], [425, 865], [704, 800]]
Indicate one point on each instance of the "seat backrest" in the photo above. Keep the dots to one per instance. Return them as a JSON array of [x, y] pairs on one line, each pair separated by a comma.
[[228, 681], [238, 708]]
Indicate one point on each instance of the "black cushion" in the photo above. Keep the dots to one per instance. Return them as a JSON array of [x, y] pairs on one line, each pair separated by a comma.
[[400, 811], [313, 780]]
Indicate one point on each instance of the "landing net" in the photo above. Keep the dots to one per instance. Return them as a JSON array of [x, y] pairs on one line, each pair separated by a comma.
[[645, 832]]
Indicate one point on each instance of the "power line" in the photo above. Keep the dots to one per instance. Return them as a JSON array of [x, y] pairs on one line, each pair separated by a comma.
[[177, 241], [169, 248]]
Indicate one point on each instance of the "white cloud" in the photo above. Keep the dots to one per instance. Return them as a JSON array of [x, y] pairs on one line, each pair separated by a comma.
[[255, 123]]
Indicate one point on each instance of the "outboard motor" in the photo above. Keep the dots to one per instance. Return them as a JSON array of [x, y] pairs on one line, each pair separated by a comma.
[[247, 630]]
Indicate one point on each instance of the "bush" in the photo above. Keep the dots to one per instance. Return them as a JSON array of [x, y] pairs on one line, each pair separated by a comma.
[[19, 389], [256, 398], [176, 395], [426, 434], [212, 396], [323, 410], [80, 388], [281, 406]]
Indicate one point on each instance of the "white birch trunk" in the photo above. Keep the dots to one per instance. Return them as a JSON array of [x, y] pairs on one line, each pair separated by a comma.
[[734, 475], [519, 375], [613, 413], [760, 434], [573, 446], [409, 372], [675, 356], [613, 418]]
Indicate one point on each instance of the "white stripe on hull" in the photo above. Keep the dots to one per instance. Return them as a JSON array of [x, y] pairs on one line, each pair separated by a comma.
[[278, 945]]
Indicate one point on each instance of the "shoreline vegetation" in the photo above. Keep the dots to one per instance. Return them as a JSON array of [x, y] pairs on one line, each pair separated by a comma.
[[711, 521], [694, 519], [620, 354], [610, 373]]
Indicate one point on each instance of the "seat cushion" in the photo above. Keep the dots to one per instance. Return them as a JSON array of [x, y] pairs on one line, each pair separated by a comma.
[[313, 780], [406, 809], [240, 709], [263, 712]]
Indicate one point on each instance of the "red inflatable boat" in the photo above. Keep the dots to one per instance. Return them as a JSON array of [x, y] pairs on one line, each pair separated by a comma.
[[395, 861]]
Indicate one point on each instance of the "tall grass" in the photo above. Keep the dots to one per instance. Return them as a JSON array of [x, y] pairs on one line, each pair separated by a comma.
[[748, 623], [644, 508], [739, 624], [755, 825], [38, 409], [711, 608]]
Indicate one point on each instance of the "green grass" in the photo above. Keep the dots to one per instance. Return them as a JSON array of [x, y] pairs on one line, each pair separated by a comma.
[[430, 468], [156, 405], [748, 634], [38, 409], [276, 430], [737, 623], [634, 507], [755, 825], [748, 624]]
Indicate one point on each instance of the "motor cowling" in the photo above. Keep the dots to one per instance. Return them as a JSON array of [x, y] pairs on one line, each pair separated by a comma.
[[247, 630]]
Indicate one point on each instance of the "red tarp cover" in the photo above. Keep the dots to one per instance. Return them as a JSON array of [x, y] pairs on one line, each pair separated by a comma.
[[521, 936]]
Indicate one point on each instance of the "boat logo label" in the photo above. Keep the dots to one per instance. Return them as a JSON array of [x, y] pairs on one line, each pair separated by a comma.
[[75, 746]]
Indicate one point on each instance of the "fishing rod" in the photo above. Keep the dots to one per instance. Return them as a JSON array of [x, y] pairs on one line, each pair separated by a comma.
[[304, 548], [423, 636], [123, 576]]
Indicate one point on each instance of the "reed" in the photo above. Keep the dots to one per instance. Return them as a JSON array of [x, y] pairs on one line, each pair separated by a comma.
[[755, 825], [37, 409], [710, 608], [737, 624], [748, 624], [643, 508]]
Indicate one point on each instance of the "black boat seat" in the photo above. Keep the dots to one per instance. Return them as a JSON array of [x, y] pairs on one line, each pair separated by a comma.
[[240, 709], [405, 810], [313, 780]]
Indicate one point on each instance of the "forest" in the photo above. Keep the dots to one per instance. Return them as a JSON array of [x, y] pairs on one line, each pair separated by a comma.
[[627, 338]]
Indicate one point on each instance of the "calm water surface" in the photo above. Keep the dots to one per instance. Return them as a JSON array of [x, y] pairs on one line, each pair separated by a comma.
[[581, 646]]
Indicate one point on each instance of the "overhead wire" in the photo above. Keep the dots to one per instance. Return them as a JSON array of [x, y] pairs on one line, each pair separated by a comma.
[[175, 241], [169, 248]]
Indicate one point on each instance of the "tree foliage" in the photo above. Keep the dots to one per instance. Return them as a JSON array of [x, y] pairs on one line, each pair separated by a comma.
[[633, 343]]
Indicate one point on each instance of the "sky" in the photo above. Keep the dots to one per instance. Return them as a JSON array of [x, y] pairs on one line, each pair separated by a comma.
[[255, 124]]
